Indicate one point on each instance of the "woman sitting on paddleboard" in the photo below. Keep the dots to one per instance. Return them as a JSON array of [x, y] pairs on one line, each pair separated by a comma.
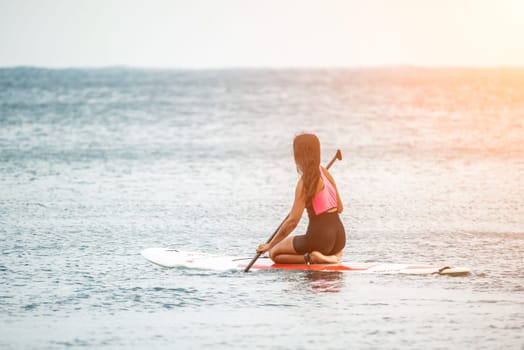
[[317, 192]]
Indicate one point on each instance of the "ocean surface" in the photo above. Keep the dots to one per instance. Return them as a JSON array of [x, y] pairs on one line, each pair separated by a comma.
[[98, 164]]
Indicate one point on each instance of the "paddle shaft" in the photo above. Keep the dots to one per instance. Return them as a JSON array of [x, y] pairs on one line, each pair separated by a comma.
[[338, 156]]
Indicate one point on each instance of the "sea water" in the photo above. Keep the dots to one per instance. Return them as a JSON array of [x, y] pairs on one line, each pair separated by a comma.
[[98, 164]]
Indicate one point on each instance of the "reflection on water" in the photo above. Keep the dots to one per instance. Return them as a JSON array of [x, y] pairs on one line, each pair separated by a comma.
[[314, 281], [324, 281]]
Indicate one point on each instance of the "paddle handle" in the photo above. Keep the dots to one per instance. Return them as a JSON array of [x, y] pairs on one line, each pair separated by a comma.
[[338, 156]]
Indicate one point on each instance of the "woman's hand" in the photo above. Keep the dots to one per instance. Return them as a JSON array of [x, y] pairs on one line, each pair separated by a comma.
[[263, 248]]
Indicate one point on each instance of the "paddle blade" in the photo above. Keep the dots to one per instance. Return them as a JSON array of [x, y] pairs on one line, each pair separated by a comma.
[[252, 262]]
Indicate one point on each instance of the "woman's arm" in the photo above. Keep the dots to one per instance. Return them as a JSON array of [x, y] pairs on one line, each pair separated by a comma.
[[292, 220]]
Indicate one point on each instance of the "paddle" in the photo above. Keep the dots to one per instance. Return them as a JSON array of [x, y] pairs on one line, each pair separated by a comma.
[[338, 156]]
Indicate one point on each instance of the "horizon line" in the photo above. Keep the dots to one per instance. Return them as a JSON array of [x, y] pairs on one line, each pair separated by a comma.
[[262, 67]]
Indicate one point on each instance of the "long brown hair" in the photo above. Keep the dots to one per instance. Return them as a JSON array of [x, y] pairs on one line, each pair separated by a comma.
[[306, 149]]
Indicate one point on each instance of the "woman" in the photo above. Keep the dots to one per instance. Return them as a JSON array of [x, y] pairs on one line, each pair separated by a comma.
[[317, 192]]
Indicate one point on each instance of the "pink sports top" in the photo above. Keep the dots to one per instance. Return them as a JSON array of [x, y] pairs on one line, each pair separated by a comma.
[[326, 199]]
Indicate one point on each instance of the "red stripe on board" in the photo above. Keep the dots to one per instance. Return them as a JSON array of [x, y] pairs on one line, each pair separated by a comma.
[[314, 267]]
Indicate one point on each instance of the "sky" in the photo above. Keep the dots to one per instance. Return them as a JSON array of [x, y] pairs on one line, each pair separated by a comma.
[[266, 33]]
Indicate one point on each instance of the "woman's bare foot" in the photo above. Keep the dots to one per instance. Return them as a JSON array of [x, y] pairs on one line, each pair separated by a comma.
[[319, 258]]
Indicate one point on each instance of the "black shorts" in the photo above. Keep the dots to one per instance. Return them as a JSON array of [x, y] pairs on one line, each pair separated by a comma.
[[325, 234]]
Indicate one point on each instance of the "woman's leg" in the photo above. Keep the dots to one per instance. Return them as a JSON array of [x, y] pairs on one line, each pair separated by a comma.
[[285, 253], [319, 258]]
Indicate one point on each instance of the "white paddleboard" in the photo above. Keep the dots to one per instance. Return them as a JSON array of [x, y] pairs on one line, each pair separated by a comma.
[[169, 257]]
